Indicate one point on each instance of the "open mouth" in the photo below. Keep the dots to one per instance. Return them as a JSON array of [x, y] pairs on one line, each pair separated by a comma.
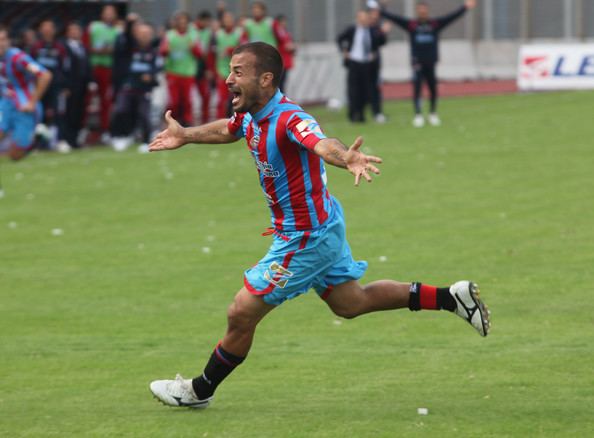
[[236, 96]]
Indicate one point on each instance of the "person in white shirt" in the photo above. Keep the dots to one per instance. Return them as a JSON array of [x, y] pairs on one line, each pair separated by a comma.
[[359, 47]]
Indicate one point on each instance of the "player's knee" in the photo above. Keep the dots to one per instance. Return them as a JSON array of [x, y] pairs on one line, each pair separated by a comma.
[[349, 312], [238, 319]]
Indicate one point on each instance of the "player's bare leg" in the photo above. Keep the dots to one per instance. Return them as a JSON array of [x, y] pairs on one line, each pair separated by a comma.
[[16, 153], [243, 316], [350, 299], [244, 313]]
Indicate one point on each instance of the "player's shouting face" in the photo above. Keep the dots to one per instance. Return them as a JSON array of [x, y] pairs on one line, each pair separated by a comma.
[[246, 83]]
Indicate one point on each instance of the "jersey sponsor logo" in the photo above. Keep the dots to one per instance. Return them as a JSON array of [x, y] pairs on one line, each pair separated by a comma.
[[307, 127], [140, 67], [267, 169], [277, 275], [424, 38]]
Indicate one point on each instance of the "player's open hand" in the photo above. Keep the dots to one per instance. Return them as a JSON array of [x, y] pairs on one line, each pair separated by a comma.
[[360, 164], [29, 107], [470, 4], [171, 138]]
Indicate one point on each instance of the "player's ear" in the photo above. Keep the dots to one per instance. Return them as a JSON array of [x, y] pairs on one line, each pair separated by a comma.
[[266, 79]]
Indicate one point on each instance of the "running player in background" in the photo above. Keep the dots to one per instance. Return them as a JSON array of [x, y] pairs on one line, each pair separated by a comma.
[[52, 55], [25, 81], [204, 75], [181, 50], [309, 248], [101, 36], [261, 27], [225, 40], [424, 33]]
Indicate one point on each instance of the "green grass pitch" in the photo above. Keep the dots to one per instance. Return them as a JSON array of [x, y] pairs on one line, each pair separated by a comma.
[[152, 249]]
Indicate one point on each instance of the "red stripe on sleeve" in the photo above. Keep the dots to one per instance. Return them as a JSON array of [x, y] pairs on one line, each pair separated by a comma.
[[234, 123]]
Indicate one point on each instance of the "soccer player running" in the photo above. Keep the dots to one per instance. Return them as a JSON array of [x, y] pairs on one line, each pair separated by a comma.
[[424, 33], [25, 82], [309, 248]]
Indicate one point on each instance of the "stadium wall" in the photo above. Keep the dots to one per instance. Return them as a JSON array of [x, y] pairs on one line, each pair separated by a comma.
[[319, 76]]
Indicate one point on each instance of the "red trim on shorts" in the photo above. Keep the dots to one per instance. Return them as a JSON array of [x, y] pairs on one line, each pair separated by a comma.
[[327, 292], [251, 289]]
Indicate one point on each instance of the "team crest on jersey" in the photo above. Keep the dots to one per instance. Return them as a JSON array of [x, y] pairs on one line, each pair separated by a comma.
[[277, 275], [255, 140]]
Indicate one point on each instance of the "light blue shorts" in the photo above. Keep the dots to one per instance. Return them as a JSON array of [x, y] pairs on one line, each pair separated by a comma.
[[300, 260], [18, 124]]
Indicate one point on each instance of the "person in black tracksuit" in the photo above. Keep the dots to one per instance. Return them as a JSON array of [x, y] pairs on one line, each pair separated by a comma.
[[133, 102], [121, 54], [424, 40], [51, 53], [78, 75], [360, 48]]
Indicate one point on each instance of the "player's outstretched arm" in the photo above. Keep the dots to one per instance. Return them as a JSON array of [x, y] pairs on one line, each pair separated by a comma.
[[175, 135], [332, 151]]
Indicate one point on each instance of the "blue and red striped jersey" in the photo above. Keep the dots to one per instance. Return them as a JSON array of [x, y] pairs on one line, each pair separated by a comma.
[[20, 71], [281, 138]]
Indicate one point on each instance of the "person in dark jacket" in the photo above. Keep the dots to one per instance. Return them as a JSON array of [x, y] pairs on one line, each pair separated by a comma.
[[133, 102], [360, 48], [51, 53], [78, 75], [424, 47], [122, 53]]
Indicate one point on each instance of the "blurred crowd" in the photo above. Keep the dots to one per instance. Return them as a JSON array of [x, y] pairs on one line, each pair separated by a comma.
[[103, 74]]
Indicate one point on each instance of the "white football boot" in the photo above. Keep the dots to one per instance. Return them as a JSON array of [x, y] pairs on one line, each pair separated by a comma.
[[434, 119], [178, 392], [470, 307], [418, 121]]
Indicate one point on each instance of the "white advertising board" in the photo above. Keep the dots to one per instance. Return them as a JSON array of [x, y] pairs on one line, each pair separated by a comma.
[[556, 67]]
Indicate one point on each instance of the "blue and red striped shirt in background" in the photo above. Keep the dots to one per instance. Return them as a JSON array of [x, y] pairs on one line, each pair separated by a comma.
[[19, 71], [281, 138]]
